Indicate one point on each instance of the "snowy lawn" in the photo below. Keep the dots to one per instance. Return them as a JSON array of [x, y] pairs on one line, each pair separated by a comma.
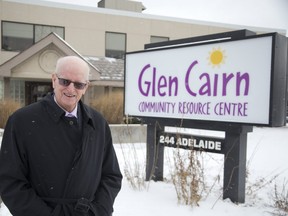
[[267, 166]]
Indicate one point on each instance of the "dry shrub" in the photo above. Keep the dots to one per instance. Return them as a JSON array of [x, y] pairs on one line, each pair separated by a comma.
[[134, 166], [188, 176], [110, 106], [7, 107], [280, 199]]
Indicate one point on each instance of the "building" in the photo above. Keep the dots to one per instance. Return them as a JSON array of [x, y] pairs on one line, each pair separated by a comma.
[[34, 34]]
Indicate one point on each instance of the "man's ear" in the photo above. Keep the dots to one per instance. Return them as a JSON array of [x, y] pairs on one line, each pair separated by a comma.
[[53, 79]]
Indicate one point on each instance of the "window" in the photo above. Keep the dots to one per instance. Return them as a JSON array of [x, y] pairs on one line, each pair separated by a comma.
[[20, 36], [1, 90], [16, 36], [17, 91], [115, 46], [156, 39], [42, 31]]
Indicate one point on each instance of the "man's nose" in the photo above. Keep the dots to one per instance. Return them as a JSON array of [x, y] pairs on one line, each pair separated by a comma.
[[71, 86]]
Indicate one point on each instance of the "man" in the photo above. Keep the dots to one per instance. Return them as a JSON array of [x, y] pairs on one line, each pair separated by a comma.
[[55, 165]]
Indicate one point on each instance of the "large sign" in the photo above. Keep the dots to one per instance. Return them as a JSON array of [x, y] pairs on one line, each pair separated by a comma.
[[226, 81]]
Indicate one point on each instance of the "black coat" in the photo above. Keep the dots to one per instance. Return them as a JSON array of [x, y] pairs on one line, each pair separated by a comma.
[[43, 173]]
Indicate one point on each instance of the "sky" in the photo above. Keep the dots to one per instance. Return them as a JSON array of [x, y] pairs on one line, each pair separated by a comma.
[[256, 13]]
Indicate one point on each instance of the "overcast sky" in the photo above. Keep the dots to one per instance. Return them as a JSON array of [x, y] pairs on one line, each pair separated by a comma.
[[258, 13]]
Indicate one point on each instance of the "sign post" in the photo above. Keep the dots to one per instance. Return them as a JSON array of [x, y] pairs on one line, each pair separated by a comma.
[[155, 154], [235, 164]]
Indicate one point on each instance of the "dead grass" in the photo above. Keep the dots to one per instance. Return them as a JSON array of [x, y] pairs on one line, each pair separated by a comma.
[[188, 176], [134, 168], [110, 106], [280, 199], [7, 107]]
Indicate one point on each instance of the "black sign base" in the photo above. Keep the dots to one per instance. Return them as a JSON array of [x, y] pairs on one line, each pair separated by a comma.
[[234, 150]]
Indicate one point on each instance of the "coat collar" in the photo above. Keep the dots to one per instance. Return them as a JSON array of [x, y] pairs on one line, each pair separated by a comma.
[[56, 112]]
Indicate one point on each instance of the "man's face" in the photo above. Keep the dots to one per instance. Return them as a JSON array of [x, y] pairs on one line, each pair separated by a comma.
[[68, 96]]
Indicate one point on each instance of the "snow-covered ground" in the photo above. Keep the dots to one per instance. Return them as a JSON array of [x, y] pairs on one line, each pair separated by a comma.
[[267, 166]]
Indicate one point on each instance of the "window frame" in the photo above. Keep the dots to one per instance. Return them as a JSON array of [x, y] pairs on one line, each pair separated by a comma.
[[125, 44], [34, 25]]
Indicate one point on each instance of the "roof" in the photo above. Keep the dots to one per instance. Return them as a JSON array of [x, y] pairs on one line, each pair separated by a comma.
[[51, 39], [110, 68], [103, 70]]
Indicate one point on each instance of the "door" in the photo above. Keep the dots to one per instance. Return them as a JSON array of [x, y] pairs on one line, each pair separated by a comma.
[[36, 91]]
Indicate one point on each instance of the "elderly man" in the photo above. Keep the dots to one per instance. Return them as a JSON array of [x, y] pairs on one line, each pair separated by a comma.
[[55, 164]]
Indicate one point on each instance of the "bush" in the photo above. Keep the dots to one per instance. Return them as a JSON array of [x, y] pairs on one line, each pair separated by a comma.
[[110, 106], [280, 199], [7, 107], [134, 165], [188, 176]]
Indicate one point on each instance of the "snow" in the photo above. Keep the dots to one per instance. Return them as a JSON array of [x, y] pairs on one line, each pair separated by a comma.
[[266, 167]]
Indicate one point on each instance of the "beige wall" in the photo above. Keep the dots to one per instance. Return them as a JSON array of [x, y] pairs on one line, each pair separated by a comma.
[[85, 30], [85, 27]]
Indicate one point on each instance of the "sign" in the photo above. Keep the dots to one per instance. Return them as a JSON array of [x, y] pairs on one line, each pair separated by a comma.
[[217, 83], [184, 141], [226, 81]]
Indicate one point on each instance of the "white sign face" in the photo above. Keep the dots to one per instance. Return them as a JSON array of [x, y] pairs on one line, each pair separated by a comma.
[[227, 82]]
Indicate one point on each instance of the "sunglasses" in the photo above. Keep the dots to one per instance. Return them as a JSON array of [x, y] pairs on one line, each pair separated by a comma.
[[66, 82]]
